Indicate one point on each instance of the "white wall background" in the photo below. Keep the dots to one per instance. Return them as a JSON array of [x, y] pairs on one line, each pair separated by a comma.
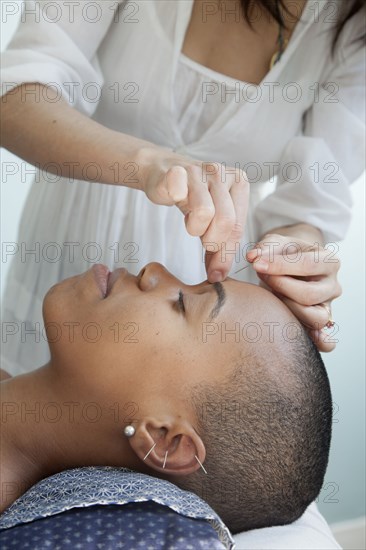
[[343, 494]]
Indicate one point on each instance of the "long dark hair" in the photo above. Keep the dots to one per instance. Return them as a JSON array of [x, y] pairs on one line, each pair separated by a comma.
[[346, 9]]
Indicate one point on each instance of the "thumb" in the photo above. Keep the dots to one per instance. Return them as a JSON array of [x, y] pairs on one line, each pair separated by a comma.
[[177, 183]]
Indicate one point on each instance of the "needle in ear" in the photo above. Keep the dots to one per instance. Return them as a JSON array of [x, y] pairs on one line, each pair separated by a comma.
[[147, 454], [200, 463], [166, 454]]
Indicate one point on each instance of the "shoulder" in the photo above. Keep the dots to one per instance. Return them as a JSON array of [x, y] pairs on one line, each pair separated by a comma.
[[4, 375]]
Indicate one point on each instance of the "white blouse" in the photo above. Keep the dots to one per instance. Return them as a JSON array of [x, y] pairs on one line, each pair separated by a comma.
[[122, 65], [299, 134]]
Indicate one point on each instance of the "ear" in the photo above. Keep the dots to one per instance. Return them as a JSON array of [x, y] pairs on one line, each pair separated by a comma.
[[170, 446]]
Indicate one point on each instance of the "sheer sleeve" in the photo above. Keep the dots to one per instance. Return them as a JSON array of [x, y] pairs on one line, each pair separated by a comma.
[[55, 44], [318, 166]]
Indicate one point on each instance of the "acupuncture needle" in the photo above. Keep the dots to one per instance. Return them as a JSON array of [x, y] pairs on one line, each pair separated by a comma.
[[241, 269]]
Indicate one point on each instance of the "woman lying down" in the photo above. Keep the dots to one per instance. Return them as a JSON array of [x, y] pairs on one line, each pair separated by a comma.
[[175, 401]]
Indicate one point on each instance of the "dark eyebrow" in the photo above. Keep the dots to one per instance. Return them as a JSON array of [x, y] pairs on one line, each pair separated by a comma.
[[221, 298]]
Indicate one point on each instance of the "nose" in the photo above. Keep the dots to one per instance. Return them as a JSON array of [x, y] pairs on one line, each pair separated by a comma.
[[153, 275]]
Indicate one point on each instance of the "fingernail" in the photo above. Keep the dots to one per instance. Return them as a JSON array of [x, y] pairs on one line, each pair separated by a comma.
[[254, 253], [262, 265], [216, 277]]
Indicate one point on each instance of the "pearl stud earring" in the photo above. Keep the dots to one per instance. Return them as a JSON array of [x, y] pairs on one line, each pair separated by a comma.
[[129, 431]]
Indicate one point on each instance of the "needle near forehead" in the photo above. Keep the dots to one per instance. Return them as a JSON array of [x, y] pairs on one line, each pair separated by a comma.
[[241, 269]]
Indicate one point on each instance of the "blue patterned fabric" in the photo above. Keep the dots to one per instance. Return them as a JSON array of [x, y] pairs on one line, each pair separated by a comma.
[[104, 485], [141, 525]]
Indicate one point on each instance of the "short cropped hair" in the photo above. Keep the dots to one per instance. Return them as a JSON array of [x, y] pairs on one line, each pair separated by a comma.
[[267, 434]]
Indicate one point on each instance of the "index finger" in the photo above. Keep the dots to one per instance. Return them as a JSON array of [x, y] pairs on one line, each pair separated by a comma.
[[302, 264], [199, 209], [222, 260]]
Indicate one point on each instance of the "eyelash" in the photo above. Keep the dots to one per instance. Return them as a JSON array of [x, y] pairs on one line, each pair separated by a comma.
[[181, 302]]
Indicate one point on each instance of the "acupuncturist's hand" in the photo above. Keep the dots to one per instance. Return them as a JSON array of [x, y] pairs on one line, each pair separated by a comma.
[[213, 198], [303, 275]]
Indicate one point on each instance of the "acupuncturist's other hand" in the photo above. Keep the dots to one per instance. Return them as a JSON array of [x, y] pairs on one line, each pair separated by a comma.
[[213, 198], [304, 276]]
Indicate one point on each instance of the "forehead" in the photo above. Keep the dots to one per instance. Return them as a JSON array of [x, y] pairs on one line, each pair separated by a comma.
[[247, 291], [253, 302]]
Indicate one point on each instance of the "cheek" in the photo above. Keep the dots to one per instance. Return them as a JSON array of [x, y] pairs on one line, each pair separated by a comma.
[[54, 306], [59, 299], [70, 301], [126, 331], [69, 325], [88, 335]]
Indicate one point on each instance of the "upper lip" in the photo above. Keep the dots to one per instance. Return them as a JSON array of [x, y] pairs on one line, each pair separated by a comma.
[[116, 275]]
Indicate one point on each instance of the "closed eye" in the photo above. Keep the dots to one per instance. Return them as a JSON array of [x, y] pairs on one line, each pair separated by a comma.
[[181, 302], [220, 301]]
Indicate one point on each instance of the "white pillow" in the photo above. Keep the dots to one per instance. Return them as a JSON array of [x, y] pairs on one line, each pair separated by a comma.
[[310, 532]]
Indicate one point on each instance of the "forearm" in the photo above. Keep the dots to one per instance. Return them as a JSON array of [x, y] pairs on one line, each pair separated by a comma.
[[302, 231], [58, 139]]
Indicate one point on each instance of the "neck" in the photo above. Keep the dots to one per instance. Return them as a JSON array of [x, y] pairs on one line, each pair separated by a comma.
[[49, 425]]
